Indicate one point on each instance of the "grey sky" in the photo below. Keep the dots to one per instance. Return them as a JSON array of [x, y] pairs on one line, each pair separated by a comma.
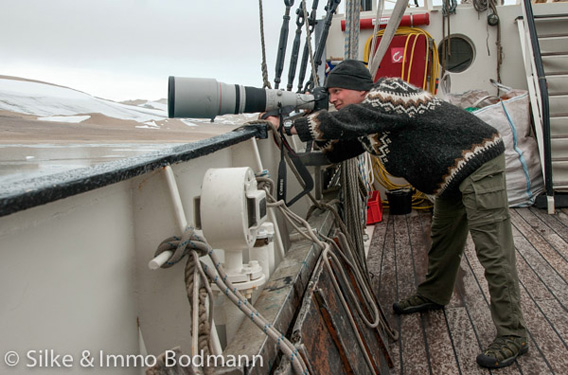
[[126, 49]]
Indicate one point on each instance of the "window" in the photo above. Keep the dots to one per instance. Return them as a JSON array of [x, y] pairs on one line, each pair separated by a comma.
[[456, 52]]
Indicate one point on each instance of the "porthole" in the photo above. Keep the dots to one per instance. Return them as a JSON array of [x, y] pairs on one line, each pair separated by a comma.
[[456, 53]]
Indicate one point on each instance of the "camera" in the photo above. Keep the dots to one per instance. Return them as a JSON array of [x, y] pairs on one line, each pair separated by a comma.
[[207, 98]]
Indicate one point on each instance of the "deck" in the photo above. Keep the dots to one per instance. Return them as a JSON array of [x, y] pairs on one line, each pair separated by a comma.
[[447, 341]]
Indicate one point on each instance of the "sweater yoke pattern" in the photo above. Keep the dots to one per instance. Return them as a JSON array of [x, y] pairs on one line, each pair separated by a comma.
[[401, 98]]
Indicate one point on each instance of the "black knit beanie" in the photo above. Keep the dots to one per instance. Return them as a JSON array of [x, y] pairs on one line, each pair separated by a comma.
[[350, 74]]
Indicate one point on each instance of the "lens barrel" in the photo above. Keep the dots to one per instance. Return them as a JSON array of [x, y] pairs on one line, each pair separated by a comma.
[[207, 98]]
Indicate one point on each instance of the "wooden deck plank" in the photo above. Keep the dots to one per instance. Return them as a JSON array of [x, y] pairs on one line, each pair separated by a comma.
[[440, 347], [447, 342], [562, 216], [544, 239], [464, 341], [476, 303], [527, 276], [404, 257], [419, 231], [533, 255], [439, 343], [557, 318], [542, 340], [554, 222], [375, 255], [381, 264], [412, 344]]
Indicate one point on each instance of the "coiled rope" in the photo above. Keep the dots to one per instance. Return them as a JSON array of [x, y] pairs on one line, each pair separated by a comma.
[[193, 243], [197, 293]]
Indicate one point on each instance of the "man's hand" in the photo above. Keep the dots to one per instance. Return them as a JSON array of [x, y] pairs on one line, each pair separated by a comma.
[[275, 120]]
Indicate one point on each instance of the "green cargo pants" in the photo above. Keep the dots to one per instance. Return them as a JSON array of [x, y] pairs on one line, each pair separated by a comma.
[[482, 209]]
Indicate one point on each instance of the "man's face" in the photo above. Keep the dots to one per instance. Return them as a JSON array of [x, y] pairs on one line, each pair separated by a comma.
[[342, 97]]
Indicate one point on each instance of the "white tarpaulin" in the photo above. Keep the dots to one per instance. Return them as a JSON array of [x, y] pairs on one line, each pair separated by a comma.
[[511, 117]]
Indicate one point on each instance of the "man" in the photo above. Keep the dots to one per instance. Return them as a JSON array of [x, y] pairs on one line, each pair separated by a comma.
[[444, 151]]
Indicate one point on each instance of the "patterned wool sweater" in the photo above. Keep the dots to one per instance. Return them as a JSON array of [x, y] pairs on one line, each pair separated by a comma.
[[433, 144]]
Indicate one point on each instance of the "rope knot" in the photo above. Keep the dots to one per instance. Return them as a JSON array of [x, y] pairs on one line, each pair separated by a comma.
[[189, 241]]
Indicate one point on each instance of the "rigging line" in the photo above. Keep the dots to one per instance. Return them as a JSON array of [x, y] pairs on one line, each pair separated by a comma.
[[380, 7], [300, 20], [309, 29], [209, 293], [307, 53], [352, 13], [389, 32], [264, 67], [329, 256], [198, 243], [351, 170], [498, 41], [331, 9], [282, 43]]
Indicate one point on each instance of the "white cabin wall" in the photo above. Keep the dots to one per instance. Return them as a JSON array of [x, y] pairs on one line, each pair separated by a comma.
[[467, 22], [474, 26], [67, 279]]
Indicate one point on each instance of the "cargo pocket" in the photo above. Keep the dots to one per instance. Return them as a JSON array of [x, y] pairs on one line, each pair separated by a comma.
[[485, 197], [490, 191]]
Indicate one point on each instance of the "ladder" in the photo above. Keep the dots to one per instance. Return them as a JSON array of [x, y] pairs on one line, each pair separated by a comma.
[[544, 46]]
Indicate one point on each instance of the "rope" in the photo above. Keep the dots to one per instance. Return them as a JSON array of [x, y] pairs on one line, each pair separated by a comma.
[[449, 7], [337, 270], [354, 198], [355, 262], [352, 13], [197, 292], [352, 205], [380, 7], [392, 25], [309, 44], [264, 68], [498, 41], [192, 242], [482, 6]]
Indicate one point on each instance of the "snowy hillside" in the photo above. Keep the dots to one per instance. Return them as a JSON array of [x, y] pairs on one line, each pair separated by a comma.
[[55, 103], [61, 104]]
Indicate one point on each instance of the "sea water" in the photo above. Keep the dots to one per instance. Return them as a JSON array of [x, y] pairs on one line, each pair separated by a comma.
[[19, 162]]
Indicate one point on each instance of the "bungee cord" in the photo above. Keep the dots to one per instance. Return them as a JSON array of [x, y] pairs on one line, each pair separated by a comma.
[[413, 34]]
